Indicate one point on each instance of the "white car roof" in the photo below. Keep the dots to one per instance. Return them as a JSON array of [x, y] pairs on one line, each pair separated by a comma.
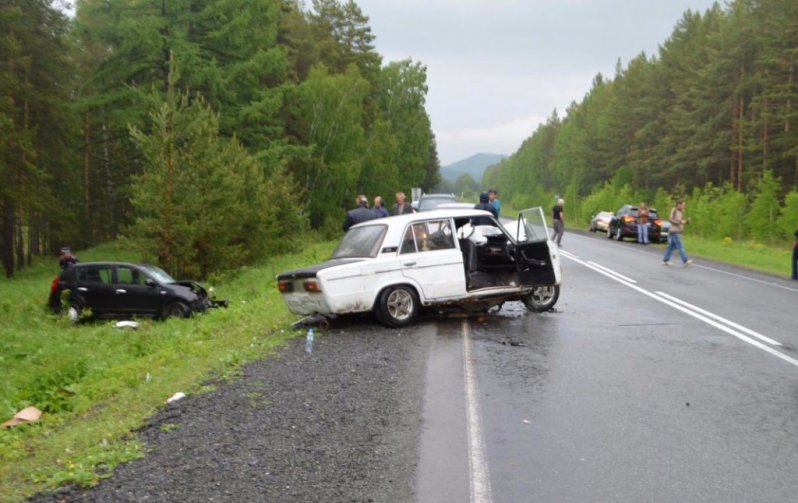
[[397, 224]]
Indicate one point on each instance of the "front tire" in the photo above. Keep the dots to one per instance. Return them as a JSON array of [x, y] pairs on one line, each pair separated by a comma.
[[398, 306], [176, 310], [542, 298]]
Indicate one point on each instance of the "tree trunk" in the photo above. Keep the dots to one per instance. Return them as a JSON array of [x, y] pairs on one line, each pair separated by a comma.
[[20, 239], [8, 238], [109, 183], [765, 133], [33, 232], [86, 167], [740, 122]]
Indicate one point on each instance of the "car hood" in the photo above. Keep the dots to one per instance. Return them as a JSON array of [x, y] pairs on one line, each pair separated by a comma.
[[189, 290], [310, 272]]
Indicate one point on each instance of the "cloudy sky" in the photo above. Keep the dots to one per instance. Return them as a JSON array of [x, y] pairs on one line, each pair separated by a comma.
[[498, 68]]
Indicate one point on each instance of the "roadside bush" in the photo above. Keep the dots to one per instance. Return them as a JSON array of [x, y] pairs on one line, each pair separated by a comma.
[[761, 218], [788, 221]]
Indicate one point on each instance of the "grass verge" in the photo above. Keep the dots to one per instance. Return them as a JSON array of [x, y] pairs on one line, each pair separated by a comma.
[[750, 254], [97, 383]]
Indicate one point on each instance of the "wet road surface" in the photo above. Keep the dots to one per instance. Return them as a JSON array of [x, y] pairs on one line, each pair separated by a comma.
[[648, 383]]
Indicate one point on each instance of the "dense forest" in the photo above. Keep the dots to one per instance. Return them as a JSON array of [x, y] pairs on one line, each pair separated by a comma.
[[206, 133], [712, 118]]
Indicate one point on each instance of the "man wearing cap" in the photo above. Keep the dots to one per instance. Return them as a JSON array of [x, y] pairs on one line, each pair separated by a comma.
[[67, 259]]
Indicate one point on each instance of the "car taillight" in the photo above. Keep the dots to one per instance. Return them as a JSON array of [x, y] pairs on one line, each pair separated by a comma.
[[628, 219], [54, 284], [658, 222], [312, 285], [285, 286]]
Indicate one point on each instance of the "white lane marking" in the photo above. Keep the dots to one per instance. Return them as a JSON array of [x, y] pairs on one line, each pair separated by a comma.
[[742, 276], [478, 467], [607, 269], [694, 314], [722, 319]]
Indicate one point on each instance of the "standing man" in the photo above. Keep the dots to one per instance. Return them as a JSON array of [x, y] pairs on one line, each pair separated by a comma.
[[678, 221], [401, 207], [495, 201], [67, 260], [558, 217], [378, 209], [643, 214], [359, 214]]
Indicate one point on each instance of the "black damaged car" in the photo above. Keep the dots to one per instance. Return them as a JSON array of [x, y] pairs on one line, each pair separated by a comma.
[[120, 289]]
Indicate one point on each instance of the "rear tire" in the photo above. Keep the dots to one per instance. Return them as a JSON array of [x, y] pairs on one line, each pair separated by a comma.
[[73, 312], [397, 306], [176, 310], [542, 298]]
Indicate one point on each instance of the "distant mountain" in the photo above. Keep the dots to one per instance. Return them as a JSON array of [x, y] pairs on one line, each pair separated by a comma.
[[474, 166]]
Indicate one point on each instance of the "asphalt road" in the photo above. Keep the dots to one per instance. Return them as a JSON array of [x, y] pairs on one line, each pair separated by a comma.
[[647, 383], [663, 384]]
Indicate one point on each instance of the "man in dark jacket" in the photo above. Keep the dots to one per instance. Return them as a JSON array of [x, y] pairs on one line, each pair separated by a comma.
[[484, 204], [66, 259], [359, 214], [379, 209]]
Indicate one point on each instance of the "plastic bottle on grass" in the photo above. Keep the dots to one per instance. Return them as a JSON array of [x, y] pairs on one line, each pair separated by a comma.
[[309, 341]]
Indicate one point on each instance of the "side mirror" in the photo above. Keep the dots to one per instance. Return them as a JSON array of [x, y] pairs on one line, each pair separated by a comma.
[[150, 282]]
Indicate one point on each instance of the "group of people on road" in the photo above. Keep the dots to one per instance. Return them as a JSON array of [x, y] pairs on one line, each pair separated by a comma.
[[489, 201], [362, 212]]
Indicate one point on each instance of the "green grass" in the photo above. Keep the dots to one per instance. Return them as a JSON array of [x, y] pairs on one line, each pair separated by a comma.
[[96, 383], [752, 255]]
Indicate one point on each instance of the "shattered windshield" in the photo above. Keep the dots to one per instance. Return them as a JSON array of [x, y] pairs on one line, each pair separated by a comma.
[[361, 242], [158, 274]]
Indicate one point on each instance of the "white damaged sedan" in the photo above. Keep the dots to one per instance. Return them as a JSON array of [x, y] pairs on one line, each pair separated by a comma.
[[460, 259]]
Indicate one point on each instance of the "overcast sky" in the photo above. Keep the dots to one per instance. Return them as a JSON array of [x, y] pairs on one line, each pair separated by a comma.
[[498, 68]]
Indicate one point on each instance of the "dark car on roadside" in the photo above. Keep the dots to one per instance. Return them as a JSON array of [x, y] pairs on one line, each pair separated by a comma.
[[121, 289], [623, 224]]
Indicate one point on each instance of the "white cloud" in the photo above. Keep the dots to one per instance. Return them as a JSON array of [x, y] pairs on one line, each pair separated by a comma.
[[503, 138], [497, 68]]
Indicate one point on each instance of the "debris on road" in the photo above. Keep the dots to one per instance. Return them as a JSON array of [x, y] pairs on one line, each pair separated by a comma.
[[177, 396]]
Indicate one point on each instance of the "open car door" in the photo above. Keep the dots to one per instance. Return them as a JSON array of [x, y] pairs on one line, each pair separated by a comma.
[[536, 255]]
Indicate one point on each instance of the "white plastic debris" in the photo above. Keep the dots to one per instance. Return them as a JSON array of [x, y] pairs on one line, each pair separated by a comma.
[[527, 421], [177, 396], [127, 324]]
